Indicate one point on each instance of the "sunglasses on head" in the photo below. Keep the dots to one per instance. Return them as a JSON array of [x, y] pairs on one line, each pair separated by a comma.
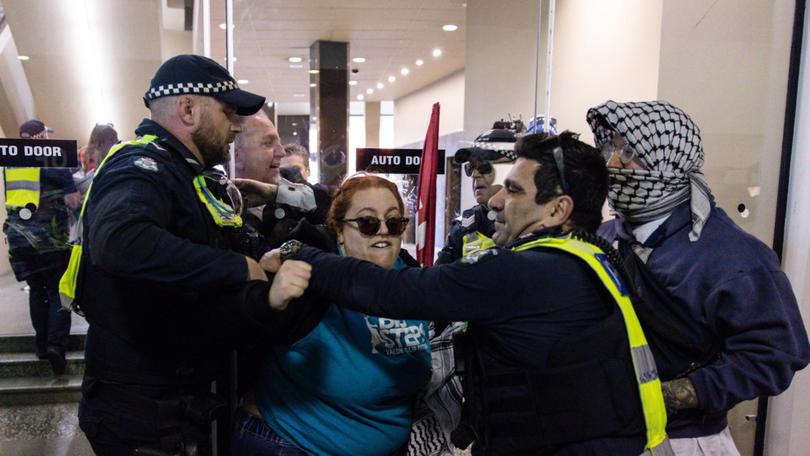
[[369, 225], [483, 168]]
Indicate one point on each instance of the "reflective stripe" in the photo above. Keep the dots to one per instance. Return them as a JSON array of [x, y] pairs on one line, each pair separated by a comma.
[[222, 213], [475, 241], [22, 187], [67, 284], [649, 385]]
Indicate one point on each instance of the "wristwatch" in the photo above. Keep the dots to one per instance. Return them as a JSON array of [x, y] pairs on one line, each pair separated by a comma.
[[290, 249]]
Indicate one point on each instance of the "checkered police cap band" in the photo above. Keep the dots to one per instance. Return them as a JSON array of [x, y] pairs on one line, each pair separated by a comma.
[[505, 149], [185, 88]]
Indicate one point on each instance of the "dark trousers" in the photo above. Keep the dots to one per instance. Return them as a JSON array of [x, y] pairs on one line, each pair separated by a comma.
[[51, 322], [113, 431]]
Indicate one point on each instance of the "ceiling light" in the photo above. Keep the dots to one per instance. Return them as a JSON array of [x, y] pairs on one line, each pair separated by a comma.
[[358, 59], [392, 79], [222, 26], [449, 27], [312, 84], [295, 60], [420, 62], [380, 85], [295, 133], [314, 71], [404, 71], [369, 91], [352, 83], [299, 95], [23, 57], [437, 52], [360, 97], [242, 81], [296, 66]]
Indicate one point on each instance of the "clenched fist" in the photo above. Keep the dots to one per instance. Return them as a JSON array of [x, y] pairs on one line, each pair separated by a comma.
[[289, 283]]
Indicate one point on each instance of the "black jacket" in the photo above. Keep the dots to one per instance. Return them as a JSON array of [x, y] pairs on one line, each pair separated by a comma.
[[161, 292]]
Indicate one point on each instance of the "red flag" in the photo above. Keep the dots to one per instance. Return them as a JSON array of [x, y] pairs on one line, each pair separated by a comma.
[[426, 211]]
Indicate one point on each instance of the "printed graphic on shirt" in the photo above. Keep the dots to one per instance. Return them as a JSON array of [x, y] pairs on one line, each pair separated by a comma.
[[396, 337]]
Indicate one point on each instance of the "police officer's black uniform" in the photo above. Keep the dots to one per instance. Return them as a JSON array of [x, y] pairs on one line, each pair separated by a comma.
[[472, 220], [554, 374]]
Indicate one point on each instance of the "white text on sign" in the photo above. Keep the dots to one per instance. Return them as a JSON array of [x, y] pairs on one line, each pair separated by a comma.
[[31, 151]]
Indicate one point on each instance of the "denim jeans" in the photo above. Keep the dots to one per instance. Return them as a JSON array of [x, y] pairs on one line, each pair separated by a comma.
[[253, 437]]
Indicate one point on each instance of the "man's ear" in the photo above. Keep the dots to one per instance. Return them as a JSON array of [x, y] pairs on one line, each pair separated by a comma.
[[561, 210], [187, 109]]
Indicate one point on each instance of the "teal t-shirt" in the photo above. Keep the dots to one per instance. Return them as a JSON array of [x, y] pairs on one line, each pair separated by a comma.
[[347, 388]]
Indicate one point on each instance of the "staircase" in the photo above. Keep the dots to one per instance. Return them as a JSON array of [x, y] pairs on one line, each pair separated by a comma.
[[26, 380]]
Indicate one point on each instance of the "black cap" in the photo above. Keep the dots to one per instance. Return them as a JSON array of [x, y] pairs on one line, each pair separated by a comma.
[[33, 128], [198, 75], [493, 145]]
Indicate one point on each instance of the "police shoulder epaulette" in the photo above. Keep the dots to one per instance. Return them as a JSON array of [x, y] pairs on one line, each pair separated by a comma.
[[467, 222]]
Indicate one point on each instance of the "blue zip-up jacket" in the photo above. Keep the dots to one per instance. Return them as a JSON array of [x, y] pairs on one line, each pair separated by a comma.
[[733, 286]]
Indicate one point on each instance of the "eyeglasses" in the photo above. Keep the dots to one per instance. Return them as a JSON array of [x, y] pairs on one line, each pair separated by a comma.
[[625, 153], [370, 226], [559, 162], [483, 168], [220, 181]]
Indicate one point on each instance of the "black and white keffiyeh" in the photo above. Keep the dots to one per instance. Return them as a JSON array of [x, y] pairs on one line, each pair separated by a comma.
[[668, 143]]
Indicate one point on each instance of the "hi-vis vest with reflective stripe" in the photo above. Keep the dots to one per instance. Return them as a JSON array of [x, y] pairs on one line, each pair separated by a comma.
[[220, 211], [646, 373], [22, 187], [475, 241]]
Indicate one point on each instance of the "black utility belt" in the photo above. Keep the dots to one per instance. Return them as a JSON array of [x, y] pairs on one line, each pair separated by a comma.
[[199, 407]]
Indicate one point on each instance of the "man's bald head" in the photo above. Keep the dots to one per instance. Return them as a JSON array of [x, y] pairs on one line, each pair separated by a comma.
[[258, 149]]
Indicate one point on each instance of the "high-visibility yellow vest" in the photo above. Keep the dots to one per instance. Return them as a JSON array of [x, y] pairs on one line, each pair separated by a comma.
[[475, 241], [22, 187], [221, 212], [646, 373]]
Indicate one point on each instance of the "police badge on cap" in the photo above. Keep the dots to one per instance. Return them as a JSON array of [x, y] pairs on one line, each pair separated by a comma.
[[197, 75]]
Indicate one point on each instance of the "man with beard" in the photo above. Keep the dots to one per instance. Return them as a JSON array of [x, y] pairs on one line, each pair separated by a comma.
[[723, 321], [473, 231], [155, 278]]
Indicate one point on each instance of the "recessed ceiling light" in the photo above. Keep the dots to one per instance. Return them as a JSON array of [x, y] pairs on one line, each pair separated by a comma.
[[352, 83], [295, 60], [437, 52], [392, 79], [359, 59], [222, 26], [360, 97], [23, 57], [380, 85], [369, 91], [314, 71], [420, 62], [312, 84], [314, 117], [299, 95], [404, 71], [295, 133], [296, 66], [449, 27], [242, 81]]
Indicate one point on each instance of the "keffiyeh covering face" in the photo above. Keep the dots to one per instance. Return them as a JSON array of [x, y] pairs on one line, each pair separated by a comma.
[[668, 143]]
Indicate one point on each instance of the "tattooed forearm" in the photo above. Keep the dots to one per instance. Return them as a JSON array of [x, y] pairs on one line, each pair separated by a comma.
[[679, 394]]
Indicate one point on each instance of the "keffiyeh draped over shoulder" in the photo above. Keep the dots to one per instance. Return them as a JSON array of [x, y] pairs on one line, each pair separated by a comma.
[[668, 143]]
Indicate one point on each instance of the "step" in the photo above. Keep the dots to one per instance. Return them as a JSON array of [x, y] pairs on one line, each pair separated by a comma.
[[28, 365], [40, 390], [26, 344]]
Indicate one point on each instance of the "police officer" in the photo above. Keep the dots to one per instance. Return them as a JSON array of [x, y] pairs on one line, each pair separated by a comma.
[[153, 276], [555, 360], [38, 203], [473, 231]]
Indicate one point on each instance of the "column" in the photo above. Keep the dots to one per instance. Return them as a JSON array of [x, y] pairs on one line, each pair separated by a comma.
[[329, 106]]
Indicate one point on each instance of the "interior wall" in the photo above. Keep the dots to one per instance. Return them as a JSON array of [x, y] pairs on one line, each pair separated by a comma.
[[603, 50], [412, 112], [788, 414], [725, 63]]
